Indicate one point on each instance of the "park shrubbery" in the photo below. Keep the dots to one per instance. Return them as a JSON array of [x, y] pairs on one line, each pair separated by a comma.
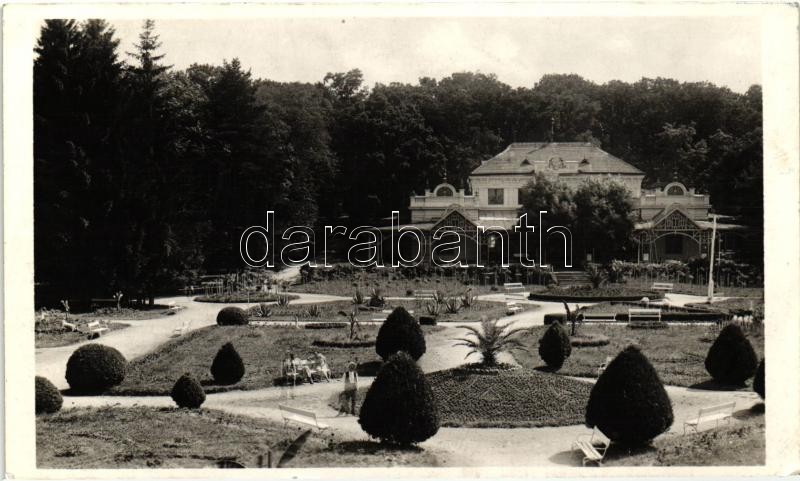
[[554, 346], [400, 332], [232, 316], [399, 407], [227, 367], [628, 403], [95, 367], [731, 359], [758, 381], [48, 398], [558, 317], [188, 393]]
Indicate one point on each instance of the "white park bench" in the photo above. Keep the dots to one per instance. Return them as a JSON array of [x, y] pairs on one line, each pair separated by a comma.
[[644, 315], [424, 293], [94, 328], [598, 316], [515, 295], [593, 446], [715, 414], [603, 365], [69, 326], [181, 330], [662, 286], [301, 416]]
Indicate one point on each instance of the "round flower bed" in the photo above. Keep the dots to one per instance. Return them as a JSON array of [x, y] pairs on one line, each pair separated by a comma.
[[479, 368], [589, 340]]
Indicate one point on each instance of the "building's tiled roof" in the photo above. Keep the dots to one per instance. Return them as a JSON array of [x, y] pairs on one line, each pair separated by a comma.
[[566, 157]]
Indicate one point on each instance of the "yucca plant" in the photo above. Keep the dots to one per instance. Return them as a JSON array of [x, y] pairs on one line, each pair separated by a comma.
[[439, 297], [492, 339], [433, 308], [283, 300], [467, 299], [376, 298], [596, 275], [265, 310], [358, 298], [355, 327], [314, 311], [452, 305]]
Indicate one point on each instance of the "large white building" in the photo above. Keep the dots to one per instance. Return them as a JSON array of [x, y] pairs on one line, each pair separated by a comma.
[[671, 223]]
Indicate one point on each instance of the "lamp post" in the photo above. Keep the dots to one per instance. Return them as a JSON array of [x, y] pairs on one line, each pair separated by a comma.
[[711, 260]]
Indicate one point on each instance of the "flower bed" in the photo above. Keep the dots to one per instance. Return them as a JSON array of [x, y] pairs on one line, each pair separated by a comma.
[[589, 340], [479, 368], [242, 297], [590, 294], [343, 344]]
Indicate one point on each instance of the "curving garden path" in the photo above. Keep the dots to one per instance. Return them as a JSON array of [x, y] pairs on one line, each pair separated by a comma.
[[453, 446]]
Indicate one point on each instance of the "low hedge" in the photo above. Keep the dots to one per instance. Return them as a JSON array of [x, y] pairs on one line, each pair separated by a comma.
[[647, 325], [427, 321], [232, 316], [551, 318], [577, 296], [326, 325], [589, 340], [326, 343]]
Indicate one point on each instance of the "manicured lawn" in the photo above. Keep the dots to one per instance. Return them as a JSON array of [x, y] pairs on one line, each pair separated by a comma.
[[678, 353], [262, 349], [699, 289], [63, 337], [740, 445], [141, 437], [509, 399], [329, 311]]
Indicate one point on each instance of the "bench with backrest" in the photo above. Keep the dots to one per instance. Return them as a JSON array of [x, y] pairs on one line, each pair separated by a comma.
[[69, 326], [514, 295], [94, 328], [711, 414], [593, 446], [180, 330], [662, 286], [635, 315], [425, 293], [301, 416]]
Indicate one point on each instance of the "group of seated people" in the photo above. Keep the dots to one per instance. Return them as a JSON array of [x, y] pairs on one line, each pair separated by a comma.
[[294, 367]]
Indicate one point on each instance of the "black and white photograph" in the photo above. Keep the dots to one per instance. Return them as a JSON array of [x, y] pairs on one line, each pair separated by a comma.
[[401, 239]]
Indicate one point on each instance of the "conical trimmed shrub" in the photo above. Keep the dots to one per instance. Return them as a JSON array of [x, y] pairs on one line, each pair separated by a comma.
[[95, 368], [758, 381], [188, 393], [227, 367], [399, 407], [232, 316], [48, 398], [400, 332], [731, 359], [554, 346], [628, 403]]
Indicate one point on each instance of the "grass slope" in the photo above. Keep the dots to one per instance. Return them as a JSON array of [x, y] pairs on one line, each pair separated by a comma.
[[262, 349], [124, 438], [678, 353]]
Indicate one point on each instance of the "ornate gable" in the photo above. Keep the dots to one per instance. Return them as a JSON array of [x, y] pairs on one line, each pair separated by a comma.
[[675, 220], [453, 217]]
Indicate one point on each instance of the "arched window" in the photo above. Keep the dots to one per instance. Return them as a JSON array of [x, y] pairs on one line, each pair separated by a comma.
[[675, 190], [444, 191]]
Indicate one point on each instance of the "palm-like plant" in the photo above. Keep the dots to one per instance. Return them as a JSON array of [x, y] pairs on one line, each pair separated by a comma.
[[492, 339]]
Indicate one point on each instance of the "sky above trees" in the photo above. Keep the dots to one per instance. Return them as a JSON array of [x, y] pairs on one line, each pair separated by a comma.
[[721, 50]]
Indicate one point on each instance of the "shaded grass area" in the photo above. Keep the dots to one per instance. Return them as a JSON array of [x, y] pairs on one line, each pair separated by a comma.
[[741, 445], [63, 337], [678, 353], [142, 437], [262, 349], [505, 399]]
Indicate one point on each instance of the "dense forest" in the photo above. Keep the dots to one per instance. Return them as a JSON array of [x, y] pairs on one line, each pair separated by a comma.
[[146, 175]]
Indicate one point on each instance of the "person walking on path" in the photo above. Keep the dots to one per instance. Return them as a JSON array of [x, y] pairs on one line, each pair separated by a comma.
[[350, 389]]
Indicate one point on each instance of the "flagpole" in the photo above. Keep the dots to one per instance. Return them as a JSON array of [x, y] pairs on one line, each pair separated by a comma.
[[711, 260]]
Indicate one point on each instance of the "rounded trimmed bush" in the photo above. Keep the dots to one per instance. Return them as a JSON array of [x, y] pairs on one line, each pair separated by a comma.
[[232, 316], [555, 346], [758, 381], [227, 367], [95, 367], [48, 398], [400, 332], [731, 359], [628, 403], [187, 392], [399, 407]]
